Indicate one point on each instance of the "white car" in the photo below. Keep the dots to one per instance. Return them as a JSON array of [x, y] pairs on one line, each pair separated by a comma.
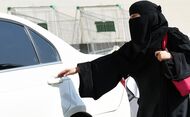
[[29, 57]]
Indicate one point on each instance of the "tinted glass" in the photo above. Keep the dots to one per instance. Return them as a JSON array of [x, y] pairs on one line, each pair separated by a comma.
[[46, 51], [15, 46]]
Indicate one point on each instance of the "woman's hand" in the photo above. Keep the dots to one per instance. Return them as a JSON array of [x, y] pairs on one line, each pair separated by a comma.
[[67, 72], [163, 55]]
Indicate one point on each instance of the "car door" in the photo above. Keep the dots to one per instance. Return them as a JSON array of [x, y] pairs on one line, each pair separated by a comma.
[[27, 61]]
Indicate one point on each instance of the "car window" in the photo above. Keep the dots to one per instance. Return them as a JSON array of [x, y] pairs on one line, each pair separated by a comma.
[[46, 51], [16, 48]]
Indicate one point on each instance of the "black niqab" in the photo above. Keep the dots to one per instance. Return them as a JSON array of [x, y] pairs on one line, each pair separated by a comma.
[[143, 28], [147, 31]]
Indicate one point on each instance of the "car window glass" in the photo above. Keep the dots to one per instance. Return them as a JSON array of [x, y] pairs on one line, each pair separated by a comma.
[[46, 51], [16, 48]]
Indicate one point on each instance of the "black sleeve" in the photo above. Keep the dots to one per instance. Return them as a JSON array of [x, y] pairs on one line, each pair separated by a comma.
[[102, 75], [179, 46], [182, 65]]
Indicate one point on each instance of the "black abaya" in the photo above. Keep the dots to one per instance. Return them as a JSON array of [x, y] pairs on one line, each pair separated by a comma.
[[158, 96]]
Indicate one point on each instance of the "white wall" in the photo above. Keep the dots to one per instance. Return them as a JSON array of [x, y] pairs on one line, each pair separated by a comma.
[[66, 6], [176, 11]]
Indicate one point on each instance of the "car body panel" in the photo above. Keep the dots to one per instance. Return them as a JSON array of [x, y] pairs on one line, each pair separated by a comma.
[[23, 94]]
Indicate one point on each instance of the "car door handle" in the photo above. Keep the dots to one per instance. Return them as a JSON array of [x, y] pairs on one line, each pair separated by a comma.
[[54, 81]]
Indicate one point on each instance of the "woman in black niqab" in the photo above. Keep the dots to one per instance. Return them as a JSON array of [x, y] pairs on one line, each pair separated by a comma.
[[136, 58]]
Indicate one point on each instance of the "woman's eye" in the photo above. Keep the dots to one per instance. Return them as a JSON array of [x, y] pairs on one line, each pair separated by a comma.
[[134, 16]]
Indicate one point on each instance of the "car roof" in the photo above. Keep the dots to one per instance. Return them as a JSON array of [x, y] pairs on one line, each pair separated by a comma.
[[15, 18]]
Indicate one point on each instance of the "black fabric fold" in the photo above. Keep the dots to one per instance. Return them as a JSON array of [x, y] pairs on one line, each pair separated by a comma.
[[86, 82]]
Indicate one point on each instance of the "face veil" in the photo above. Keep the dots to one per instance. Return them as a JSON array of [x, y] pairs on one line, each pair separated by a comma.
[[143, 29], [147, 32]]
